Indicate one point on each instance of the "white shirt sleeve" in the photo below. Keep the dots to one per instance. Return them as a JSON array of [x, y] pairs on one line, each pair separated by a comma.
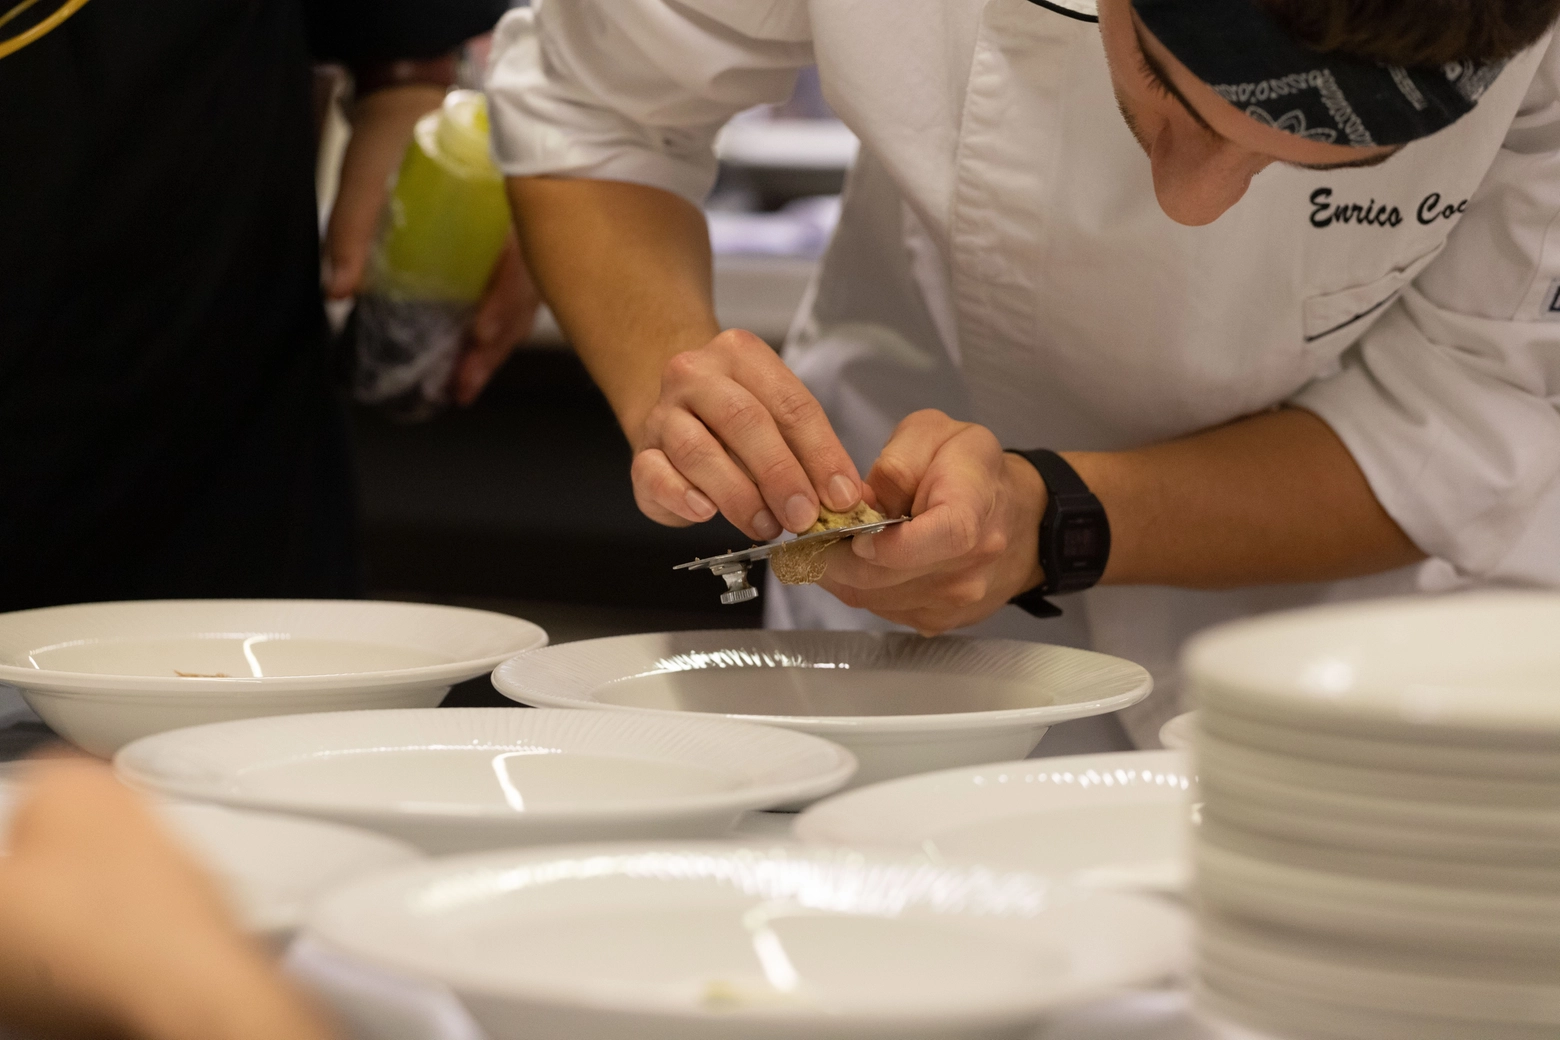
[[636, 90], [1451, 403]]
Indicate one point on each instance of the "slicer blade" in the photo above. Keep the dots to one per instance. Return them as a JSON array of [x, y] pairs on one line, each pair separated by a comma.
[[733, 566]]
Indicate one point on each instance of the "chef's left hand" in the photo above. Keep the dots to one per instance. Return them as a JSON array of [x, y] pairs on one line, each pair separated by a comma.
[[972, 543], [382, 125]]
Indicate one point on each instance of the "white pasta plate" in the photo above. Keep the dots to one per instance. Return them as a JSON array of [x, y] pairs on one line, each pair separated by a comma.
[[717, 941], [102, 674], [903, 704], [462, 779], [1115, 820]]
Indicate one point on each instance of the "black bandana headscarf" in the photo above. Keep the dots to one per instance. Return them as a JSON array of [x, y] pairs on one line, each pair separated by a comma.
[[1238, 50]]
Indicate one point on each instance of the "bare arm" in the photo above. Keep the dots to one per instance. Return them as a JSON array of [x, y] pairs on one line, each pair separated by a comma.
[[716, 421], [1269, 499], [626, 271]]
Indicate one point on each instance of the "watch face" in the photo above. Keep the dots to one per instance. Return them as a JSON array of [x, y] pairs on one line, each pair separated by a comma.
[[1080, 543]]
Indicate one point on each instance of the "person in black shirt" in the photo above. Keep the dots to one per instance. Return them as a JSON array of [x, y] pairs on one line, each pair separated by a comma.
[[169, 419]]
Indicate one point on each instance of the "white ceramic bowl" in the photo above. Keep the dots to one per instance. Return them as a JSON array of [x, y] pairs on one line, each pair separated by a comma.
[[272, 867], [902, 703], [461, 779], [103, 674], [1113, 820], [720, 942], [1470, 670]]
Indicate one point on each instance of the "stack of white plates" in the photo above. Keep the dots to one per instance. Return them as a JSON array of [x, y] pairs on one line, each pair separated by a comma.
[[1379, 855]]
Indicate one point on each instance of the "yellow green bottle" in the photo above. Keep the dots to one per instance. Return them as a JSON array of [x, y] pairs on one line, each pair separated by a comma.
[[439, 240]]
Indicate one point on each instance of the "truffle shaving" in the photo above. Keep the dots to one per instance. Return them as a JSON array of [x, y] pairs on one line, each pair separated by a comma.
[[804, 564]]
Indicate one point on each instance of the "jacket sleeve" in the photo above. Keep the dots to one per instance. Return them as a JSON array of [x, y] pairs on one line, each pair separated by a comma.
[[1451, 403], [636, 90], [371, 30]]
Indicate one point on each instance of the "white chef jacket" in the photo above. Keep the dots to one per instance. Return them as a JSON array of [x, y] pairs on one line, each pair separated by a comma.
[[1001, 256]]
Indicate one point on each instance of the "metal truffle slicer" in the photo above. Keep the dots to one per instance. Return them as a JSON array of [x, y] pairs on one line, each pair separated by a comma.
[[733, 566]]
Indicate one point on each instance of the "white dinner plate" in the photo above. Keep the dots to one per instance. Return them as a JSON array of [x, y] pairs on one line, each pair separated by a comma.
[[717, 941], [102, 674], [1420, 982], [1179, 733], [1466, 920], [902, 703], [1519, 823], [1392, 837], [459, 779], [1222, 757], [1228, 993], [1474, 669], [1421, 755], [1410, 868], [1112, 820], [271, 866]]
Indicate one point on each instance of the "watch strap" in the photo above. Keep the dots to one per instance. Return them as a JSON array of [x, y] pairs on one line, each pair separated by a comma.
[[1071, 510]]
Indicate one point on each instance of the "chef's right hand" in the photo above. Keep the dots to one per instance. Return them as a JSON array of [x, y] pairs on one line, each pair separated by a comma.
[[735, 432]]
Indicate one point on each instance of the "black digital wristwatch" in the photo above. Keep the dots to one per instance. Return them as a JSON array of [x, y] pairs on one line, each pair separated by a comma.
[[1074, 535]]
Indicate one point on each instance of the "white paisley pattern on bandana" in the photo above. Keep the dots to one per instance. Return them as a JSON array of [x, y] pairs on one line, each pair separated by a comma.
[[1293, 122], [1254, 96], [1471, 79]]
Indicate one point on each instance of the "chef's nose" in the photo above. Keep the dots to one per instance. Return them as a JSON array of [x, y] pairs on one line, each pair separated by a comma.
[[1198, 175]]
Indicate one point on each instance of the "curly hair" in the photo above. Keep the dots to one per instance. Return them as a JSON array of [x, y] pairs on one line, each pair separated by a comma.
[[1416, 32]]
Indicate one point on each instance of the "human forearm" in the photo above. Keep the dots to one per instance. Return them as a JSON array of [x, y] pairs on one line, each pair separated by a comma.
[[1273, 498], [626, 270]]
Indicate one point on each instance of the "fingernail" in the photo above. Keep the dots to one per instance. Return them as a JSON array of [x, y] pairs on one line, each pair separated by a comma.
[[843, 492], [702, 507], [863, 547], [800, 513], [765, 524]]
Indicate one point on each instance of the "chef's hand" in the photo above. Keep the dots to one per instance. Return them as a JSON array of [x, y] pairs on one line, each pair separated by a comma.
[[734, 431], [382, 125], [972, 543], [107, 929]]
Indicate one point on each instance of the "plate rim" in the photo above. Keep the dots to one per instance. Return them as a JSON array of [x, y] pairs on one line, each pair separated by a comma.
[[578, 693], [774, 793], [70, 684], [1223, 684], [547, 996], [818, 818]]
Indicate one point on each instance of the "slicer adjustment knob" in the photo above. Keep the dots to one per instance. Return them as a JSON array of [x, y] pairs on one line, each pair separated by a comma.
[[737, 588]]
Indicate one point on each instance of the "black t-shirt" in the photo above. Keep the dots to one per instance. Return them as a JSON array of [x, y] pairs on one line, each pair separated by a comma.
[[169, 424]]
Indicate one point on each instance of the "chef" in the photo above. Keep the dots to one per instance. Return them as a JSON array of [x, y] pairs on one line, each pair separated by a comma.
[[1259, 296]]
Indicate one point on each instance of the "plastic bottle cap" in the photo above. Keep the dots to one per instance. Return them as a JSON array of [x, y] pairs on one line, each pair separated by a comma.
[[462, 133]]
